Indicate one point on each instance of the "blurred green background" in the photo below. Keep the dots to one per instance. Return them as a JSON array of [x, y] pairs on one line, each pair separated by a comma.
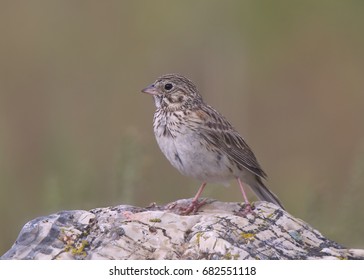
[[76, 133]]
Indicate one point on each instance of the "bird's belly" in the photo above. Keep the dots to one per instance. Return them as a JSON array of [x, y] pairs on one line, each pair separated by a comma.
[[194, 159]]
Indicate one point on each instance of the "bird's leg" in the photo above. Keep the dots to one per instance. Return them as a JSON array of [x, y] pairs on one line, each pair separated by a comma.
[[199, 192], [248, 207], [195, 204]]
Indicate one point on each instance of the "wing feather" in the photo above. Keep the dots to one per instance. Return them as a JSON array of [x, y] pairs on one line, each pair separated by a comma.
[[218, 132]]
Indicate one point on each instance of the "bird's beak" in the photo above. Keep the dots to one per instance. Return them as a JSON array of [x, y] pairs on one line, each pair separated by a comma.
[[150, 90]]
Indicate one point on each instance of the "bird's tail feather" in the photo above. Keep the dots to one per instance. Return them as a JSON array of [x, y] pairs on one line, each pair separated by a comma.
[[263, 193]]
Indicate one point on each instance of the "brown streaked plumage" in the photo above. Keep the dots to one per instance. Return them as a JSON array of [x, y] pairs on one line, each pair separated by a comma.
[[200, 142]]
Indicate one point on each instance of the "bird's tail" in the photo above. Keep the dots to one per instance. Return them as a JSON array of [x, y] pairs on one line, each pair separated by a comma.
[[263, 193]]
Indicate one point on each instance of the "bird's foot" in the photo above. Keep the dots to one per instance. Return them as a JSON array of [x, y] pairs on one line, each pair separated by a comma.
[[246, 209], [191, 207]]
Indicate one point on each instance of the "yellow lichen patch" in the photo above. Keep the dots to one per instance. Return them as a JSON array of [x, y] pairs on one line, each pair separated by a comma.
[[229, 256], [72, 243], [80, 249], [270, 215], [155, 220], [198, 237], [247, 235]]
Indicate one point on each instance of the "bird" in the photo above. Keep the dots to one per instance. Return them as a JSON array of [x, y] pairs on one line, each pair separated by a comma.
[[201, 143]]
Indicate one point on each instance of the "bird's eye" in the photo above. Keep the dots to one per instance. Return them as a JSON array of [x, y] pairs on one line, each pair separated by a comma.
[[168, 86]]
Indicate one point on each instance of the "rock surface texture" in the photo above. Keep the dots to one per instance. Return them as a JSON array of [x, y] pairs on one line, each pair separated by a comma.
[[218, 230]]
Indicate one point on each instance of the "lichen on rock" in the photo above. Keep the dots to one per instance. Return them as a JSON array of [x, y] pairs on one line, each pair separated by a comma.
[[216, 231]]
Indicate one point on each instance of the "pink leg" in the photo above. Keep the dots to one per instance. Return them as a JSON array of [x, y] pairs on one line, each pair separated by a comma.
[[199, 192], [248, 206], [242, 191], [195, 204]]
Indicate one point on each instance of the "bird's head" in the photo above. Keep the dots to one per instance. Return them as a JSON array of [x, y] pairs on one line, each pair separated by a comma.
[[173, 92]]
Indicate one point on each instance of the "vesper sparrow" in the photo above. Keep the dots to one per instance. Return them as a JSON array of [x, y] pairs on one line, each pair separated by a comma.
[[200, 142]]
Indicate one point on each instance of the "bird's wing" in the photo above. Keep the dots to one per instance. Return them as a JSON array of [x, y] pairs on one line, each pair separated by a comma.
[[218, 132]]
